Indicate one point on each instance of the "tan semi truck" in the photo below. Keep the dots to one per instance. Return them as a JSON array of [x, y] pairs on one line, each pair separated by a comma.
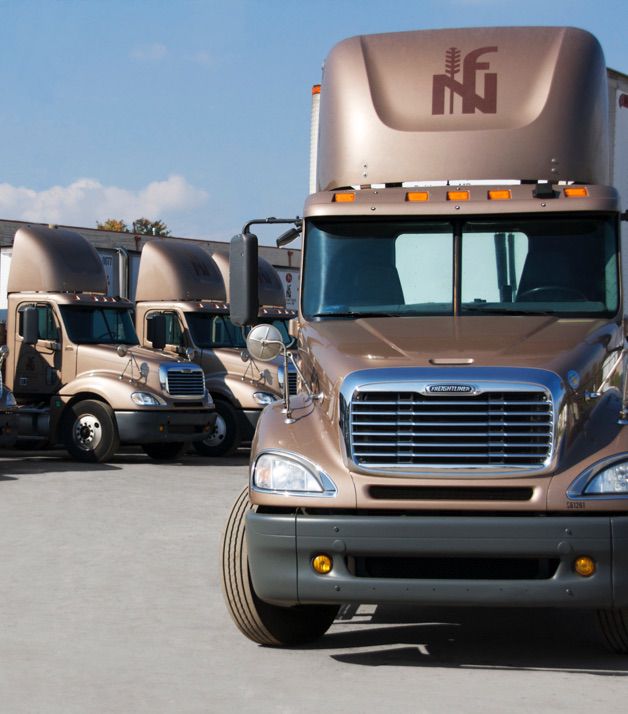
[[460, 435], [184, 284], [75, 365]]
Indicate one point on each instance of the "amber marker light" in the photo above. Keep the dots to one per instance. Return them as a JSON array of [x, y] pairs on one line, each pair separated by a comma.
[[576, 192], [417, 196], [457, 195], [344, 197], [500, 195], [322, 564], [584, 565], [316, 89]]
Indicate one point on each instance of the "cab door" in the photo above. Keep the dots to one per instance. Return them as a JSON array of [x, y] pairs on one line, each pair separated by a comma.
[[38, 366]]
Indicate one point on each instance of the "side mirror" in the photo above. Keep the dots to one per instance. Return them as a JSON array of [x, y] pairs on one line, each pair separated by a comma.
[[243, 290], [30, 326], [293, 327], [264, 343], [156, 330]]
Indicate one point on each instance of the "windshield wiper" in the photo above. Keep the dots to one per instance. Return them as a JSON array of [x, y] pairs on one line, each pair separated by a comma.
[[356, 314], [504, 311]]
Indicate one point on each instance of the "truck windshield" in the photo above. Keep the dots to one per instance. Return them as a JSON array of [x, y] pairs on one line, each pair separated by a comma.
[[218, 331], [561, 265], [209, 331], [99, 325]]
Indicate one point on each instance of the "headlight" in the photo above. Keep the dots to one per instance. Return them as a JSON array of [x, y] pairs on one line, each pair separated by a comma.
[[280, 473], [264, 398], [612, 479], [145, 399]]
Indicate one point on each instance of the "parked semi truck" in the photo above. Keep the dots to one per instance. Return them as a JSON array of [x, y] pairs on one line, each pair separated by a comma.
[[184, 284], [460, 434], [75, 365]]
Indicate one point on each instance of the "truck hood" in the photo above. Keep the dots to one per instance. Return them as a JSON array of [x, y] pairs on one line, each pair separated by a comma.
[[335, 348], [104, 358], [256, 374]]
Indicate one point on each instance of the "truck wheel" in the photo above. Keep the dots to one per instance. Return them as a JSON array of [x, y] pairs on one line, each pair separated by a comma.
[[89, 431], [225, 435], [167, 451], [263, 623], [614, 627]]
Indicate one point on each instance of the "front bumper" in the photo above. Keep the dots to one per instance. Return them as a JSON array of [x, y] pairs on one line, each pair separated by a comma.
[[281, 547], [8, 429], [248, 419], [150, 427]]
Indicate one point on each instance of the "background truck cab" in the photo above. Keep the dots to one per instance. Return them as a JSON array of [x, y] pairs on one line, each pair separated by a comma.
[[185, 285], [75, 365]]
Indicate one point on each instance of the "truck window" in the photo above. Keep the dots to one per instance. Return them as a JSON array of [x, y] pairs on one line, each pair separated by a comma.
[[48, 328], [174, 331], [556, 265], [378, 267], [99, 325], [562, 265], [209, 331]]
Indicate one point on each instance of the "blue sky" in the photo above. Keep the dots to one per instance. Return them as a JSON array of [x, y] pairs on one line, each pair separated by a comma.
[[196, 112]]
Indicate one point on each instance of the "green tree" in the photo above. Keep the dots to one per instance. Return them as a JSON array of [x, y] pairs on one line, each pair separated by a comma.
[[113, 224], [146, 227]]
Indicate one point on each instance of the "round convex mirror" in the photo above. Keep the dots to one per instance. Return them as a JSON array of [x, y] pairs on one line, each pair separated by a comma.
[[264, 342]]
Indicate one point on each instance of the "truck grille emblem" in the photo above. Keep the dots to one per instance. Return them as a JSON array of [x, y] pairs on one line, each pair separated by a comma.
[[450, 389]]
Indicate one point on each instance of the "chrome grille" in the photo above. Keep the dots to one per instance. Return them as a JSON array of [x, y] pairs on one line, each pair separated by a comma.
[[292, 378], [185, 382], [496, 428]]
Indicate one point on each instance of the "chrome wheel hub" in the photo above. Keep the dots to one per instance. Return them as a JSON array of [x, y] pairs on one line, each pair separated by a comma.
[[218, 434], [87, 432]]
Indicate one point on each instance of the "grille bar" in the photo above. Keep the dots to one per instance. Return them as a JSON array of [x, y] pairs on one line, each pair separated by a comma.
[[509, 428], [292, 382]]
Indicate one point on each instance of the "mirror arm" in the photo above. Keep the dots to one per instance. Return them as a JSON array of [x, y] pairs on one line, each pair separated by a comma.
[[297, 220], [310, 393]]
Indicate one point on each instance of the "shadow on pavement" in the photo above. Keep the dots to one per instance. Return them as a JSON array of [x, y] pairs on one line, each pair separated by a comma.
[[19, 461], [484, 638], [15, 463]]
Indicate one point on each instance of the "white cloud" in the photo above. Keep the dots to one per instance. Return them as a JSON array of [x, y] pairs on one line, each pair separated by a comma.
[[149, 53], [203, 58], [86, 201]]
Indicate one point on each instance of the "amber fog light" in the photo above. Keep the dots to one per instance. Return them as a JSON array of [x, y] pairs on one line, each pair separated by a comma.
[[322, 564], [584, 566]]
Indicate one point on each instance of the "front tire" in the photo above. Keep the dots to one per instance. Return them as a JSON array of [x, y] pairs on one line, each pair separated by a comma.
[[225, 436], [614, 626], [260, 622], [166, 451], [89, 431]]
